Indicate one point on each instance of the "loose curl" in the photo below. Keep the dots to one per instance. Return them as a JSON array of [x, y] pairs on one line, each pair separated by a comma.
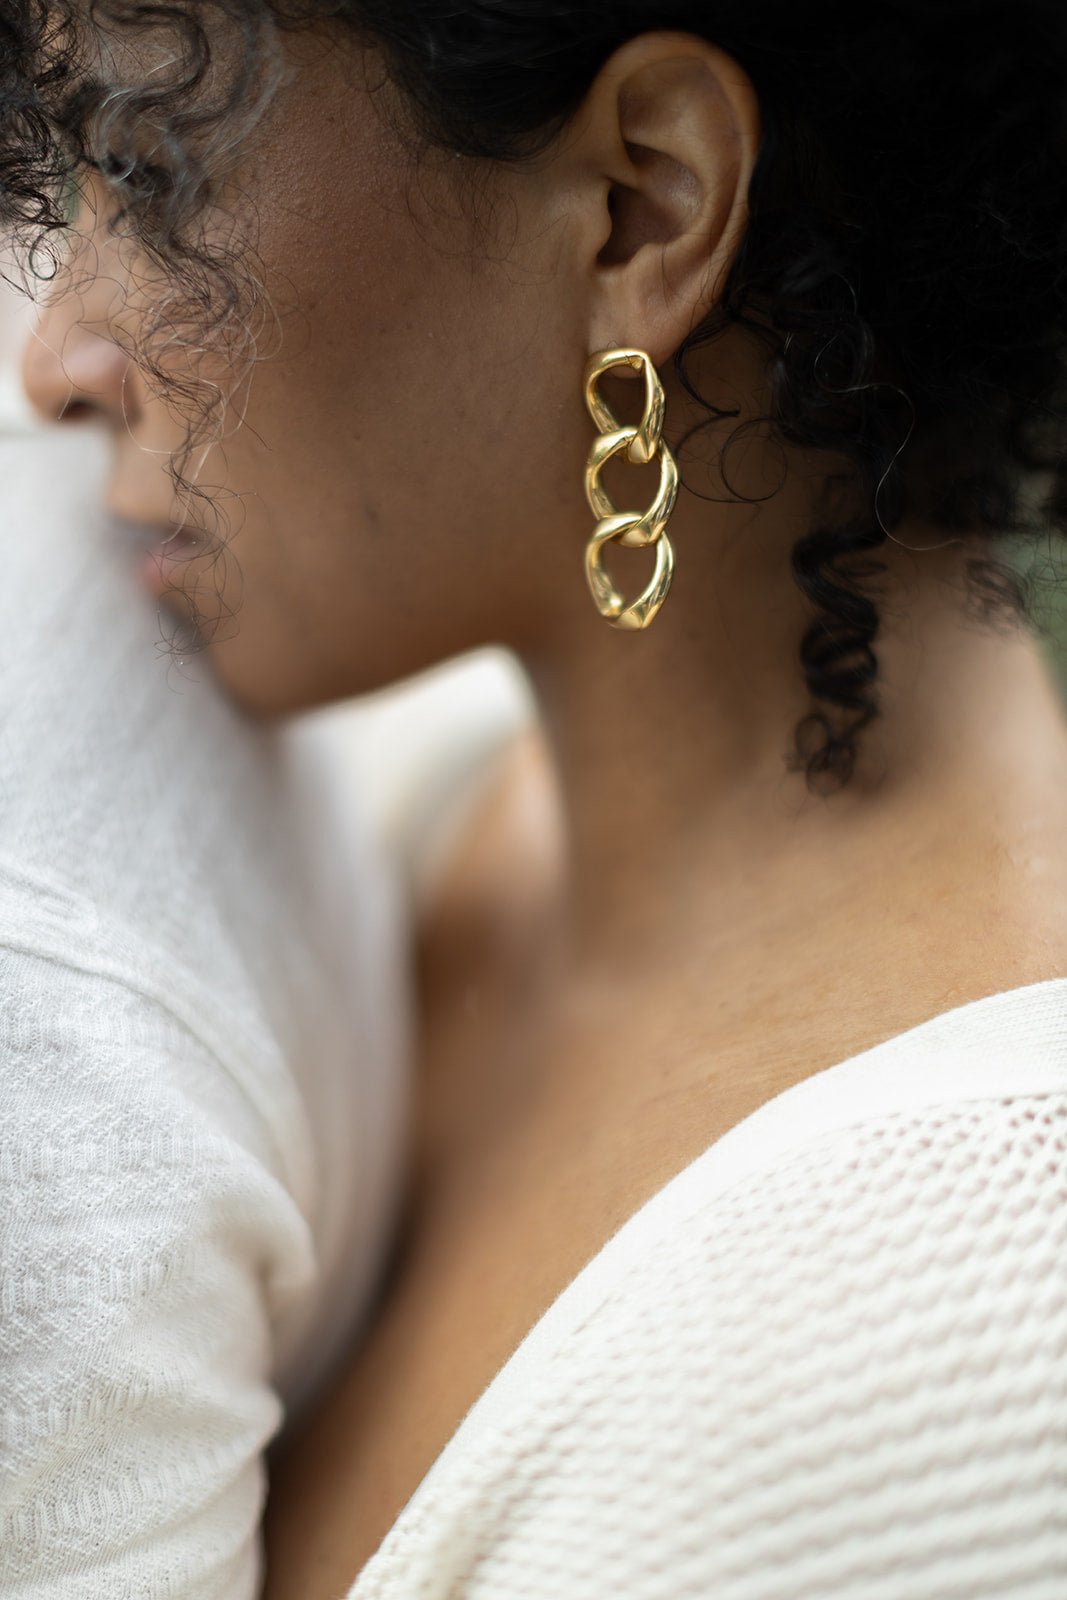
[[904, 263]]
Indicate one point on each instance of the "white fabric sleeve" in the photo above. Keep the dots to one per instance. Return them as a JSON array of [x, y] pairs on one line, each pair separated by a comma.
[[843, 1377], [145, 1246]]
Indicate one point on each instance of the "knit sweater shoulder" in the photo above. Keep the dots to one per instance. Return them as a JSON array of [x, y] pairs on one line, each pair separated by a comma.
[[204, 1032], [828, 1359]]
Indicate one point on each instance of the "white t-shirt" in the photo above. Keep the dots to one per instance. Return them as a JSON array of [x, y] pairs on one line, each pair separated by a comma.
[[204, 1043], [828, 1359]]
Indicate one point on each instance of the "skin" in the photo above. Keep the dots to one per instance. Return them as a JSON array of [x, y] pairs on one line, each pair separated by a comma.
[[651, 927]]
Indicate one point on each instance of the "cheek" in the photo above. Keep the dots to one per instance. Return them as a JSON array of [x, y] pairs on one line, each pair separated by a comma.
[[409, 472], [410, 498], [418, 408]]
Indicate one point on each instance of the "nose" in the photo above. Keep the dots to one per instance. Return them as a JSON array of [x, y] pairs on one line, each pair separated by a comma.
[[69, 371]]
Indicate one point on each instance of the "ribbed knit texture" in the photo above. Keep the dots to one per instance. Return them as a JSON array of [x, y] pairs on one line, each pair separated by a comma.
[[203, 1050], [828, 1360]]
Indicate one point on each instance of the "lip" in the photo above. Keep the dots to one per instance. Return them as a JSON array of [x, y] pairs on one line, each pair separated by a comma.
[[157, 566], [158, 549]]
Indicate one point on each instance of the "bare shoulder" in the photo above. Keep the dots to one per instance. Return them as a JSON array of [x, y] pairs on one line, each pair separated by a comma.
[[502, 857]]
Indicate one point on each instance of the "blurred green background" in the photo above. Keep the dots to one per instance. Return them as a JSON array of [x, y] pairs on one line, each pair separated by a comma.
[[1041, 564]]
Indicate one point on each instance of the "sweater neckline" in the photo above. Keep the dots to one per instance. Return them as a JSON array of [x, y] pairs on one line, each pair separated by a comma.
[[1009, 1043]]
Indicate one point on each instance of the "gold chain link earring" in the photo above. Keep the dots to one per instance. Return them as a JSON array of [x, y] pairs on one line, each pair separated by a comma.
[[632, 529]]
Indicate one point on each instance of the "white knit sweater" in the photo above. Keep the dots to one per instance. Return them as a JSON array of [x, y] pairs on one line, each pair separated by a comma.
[[828, 1361], [203, 1045]]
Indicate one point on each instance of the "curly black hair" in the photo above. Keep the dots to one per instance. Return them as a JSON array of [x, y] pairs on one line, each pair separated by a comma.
[[904, 262]]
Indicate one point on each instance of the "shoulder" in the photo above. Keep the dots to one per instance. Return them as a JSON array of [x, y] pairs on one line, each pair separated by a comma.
[[148, 1244], [490, 851]]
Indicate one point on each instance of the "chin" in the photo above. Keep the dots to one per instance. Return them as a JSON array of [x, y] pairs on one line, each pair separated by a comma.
[[267, 671], [282, 680], [274, 662], [275, 684]]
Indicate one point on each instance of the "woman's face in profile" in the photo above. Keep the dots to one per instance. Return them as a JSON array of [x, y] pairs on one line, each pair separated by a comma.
[[400, 476]]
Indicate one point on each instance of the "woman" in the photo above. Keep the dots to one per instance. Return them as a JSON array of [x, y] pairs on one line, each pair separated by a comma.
[[790, 1013]]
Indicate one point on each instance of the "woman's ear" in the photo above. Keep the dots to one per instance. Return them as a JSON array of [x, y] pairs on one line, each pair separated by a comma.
[[672, 124]]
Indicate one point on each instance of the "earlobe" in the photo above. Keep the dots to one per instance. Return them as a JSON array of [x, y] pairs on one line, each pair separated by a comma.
[[685, 124]]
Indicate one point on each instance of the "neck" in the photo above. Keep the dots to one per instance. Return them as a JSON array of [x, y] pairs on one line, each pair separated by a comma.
[[689, 841]]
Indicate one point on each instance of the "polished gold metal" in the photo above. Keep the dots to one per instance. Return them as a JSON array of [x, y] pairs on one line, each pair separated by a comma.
[[631, 529], [609, 602]]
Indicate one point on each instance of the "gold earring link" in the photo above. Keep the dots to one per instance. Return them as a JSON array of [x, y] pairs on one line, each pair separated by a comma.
[[631, 529]]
